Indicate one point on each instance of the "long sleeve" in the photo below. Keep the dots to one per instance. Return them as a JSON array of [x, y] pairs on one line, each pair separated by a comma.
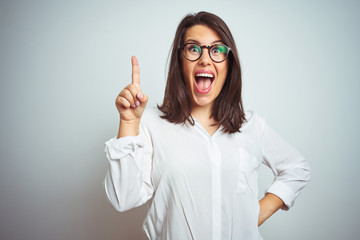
[[291, 170], [127, 182]]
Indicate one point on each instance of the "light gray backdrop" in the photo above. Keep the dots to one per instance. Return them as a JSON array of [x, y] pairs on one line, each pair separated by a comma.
[[62, 63]]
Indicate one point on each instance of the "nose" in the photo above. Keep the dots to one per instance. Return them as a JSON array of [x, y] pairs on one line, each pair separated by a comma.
[[205, 57]]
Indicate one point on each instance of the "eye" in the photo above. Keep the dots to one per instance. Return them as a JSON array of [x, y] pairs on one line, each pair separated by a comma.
[[194, 48], [217, 49]]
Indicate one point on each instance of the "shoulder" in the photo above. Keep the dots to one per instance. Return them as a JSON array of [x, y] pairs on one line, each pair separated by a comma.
[[152, 123], [253, 121], [151, 112], [151, 116]]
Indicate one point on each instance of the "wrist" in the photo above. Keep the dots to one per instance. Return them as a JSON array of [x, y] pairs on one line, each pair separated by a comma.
[[268, 206], [128, 128]]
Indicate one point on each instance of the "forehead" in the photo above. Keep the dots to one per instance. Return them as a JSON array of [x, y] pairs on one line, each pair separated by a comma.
[[202, 34]]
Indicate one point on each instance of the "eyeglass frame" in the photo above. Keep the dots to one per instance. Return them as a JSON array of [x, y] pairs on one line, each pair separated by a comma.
[[208, 47]]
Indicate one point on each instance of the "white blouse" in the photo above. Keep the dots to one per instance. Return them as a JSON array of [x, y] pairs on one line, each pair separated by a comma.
[[200, 186]]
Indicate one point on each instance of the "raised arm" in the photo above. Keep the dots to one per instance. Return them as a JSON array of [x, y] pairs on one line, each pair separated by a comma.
[[131, 103], [127, 182]]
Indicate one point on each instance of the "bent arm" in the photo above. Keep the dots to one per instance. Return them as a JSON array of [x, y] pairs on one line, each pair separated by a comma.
[[291, 171], [127, 182], [269, 204]]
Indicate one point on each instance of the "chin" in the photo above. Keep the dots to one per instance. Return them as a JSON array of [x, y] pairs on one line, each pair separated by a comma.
[[202, 101]]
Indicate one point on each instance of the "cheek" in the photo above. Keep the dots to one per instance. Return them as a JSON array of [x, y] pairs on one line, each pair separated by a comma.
[[187, 72], [223, 71], [186, 68], [187, 79]]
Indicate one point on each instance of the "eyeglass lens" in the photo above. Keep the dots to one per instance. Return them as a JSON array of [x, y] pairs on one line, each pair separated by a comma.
[[218, 52]]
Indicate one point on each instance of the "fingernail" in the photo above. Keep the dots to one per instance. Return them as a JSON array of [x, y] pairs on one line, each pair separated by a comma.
[[140, 96], [133, 105], [137, 103]]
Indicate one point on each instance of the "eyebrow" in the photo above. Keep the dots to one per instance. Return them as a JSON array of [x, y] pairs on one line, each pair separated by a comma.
[[195, 41]]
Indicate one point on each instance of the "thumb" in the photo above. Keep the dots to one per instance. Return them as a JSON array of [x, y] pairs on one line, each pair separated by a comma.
[[143, 99]]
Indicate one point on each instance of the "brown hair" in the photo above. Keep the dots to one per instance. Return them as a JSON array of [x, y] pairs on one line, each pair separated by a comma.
[[228, 109]]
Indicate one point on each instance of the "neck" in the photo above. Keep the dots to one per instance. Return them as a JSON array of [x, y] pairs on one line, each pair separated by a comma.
[[202, 113]]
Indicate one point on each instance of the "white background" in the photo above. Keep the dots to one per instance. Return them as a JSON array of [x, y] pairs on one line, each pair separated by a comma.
[[62, 63]]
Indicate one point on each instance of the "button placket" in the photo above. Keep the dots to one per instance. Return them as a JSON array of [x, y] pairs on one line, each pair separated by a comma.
[[215, 157]]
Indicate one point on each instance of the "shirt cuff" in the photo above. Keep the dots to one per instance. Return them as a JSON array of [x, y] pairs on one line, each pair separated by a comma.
[[118, 148], [284, 192]]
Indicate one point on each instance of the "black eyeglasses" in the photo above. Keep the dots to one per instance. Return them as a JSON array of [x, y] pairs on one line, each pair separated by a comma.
[[217, 52]]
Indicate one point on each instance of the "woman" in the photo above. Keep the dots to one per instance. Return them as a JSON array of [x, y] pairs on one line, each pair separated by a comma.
[[196, 156]]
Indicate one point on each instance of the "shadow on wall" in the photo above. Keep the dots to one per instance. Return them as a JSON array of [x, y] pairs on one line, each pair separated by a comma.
[[89, 214], [124, 225], [105, 222], [97, 219]]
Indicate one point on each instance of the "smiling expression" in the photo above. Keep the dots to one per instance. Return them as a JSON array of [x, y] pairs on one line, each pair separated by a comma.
[[204, 78]]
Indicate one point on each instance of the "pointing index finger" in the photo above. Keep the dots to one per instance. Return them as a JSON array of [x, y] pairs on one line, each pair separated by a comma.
[[135, 71]]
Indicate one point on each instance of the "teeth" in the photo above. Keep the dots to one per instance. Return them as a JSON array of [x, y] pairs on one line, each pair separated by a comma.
[[208, 75]]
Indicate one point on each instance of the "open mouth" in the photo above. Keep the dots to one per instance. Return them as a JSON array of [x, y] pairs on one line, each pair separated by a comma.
[[203, 82]]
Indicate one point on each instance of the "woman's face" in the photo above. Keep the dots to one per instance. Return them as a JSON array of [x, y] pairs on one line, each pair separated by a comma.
[[204, 78]]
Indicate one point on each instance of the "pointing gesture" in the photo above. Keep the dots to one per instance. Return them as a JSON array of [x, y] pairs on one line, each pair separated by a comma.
[[135, 72], [131, 103]]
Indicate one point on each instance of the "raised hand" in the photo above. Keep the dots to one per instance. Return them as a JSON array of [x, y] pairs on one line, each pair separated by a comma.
[[131, 103]]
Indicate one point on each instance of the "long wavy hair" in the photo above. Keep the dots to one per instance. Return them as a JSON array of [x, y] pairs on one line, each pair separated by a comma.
[[227, 109]]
